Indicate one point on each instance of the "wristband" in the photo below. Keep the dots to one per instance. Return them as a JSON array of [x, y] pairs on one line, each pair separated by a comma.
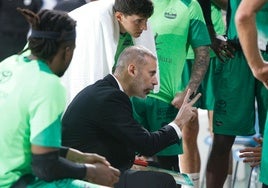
[[63, 151]]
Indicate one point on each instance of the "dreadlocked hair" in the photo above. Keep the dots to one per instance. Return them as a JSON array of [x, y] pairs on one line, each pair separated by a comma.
[[51, 21]]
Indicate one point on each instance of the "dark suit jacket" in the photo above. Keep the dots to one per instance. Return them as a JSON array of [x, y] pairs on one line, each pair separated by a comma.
[[99, 120]]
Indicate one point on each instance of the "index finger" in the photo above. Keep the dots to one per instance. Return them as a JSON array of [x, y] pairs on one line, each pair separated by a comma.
[[100, 159], [115, 171], [195, 99], [228, 53], [187, 96], [247, 149]]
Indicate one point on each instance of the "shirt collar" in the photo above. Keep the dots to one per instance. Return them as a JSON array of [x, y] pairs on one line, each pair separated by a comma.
[[120, 86]]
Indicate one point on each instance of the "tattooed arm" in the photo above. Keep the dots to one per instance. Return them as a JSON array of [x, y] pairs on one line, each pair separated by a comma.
[[199, 70]]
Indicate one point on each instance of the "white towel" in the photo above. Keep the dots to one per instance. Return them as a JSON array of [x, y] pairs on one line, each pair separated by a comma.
[[96, 44]]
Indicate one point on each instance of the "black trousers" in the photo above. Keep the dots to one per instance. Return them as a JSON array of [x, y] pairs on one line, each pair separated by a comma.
[[169, 162], [145, 179]]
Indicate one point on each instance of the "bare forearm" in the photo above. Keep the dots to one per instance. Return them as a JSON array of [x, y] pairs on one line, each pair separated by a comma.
[[75, 155], [200, 66], [206, 8], [49, 167], [246, 27]]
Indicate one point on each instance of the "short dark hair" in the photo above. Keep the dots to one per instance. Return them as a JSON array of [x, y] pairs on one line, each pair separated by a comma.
[[139, 7]]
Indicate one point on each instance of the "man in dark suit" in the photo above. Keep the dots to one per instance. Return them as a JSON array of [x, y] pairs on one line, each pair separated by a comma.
[[99, 120]]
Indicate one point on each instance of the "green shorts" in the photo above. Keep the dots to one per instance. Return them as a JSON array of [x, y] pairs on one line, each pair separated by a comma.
[[153, 114], [206, 101], [67, 183], [235, 92]]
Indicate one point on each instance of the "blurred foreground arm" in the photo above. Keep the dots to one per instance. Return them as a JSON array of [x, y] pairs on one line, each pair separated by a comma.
[[246, 28], [47, 164]]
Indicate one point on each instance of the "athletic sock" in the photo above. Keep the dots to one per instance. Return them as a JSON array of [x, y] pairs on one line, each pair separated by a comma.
[[228, 181], [195, 178]]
